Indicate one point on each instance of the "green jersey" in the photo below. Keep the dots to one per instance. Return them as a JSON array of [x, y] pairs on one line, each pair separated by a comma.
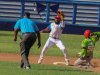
[[88, 45]]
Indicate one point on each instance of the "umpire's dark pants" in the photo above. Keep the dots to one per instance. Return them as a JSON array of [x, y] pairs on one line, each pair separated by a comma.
[[27, 40]]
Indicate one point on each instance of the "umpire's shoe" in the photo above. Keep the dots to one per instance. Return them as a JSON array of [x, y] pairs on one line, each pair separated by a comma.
[[24, 67], [27, 67]]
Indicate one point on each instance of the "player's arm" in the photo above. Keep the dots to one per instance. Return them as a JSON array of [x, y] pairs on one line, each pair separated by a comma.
[[96, 36], [83, 49], [61, 14], [62, 21], [96, 33], [82, 53], [46, 29]]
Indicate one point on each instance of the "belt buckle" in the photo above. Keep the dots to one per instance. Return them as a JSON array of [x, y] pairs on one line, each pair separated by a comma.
[[55, 38]]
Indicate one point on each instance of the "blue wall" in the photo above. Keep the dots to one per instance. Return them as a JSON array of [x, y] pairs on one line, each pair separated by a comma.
[[69, 29], [72, 28]]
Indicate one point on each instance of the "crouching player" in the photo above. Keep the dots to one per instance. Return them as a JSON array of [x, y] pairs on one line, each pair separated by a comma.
[[86, 54]]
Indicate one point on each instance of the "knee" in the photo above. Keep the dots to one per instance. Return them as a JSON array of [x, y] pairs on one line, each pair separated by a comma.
[[45, 48], [63, 49]]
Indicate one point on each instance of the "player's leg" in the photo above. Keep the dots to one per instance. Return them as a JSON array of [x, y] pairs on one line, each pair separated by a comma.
[[88, 60], [78, 62], [63, 49], [22, 64], [48, 44], [24, 60], [81, 62], [29, 43]]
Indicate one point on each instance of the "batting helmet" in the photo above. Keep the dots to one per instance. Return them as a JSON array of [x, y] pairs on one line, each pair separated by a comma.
[[87, 33]]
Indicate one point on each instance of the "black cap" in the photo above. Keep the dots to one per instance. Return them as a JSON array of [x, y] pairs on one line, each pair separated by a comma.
[[27, 14]]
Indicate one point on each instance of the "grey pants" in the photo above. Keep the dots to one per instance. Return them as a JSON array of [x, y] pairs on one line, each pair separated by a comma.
[[27, 40], [82, 60]]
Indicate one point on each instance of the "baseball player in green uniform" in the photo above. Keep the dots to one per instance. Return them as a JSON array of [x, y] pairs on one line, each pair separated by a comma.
[[87, 47]]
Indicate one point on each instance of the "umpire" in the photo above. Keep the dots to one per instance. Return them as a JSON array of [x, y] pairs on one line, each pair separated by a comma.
[[29, 33]]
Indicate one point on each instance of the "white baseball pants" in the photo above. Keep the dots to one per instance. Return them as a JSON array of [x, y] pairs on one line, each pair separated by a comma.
[[51, 41]]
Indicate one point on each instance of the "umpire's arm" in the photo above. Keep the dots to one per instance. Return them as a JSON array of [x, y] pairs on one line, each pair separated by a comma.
[[15, 34], [16, 28], [39, 38]]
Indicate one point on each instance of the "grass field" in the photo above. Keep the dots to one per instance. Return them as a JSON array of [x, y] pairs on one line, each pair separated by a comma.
[[72, 43], [8, 68]]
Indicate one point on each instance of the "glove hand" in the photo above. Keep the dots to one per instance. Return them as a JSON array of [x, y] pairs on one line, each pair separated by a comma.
[[61, 15]]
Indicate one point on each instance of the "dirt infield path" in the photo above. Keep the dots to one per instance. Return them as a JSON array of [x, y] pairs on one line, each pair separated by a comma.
[[47, 60]]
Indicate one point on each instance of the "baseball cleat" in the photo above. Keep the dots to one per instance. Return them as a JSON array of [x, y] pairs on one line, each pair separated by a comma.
[[40, 61], [67, 62], [27, 68]]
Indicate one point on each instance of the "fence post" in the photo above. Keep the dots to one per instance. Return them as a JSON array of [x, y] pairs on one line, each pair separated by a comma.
[[99, 17], [74, 14], [22, 8], [47, 12]]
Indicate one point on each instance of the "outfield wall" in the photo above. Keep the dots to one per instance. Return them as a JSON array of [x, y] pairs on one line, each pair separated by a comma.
[[69, 29], [79, 14]]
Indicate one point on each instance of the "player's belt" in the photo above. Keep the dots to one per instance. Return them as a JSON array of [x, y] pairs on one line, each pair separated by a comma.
[[54, 37], [28, 33]]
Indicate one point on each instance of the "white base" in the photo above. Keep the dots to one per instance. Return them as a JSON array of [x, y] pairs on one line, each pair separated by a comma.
[[56, 63]]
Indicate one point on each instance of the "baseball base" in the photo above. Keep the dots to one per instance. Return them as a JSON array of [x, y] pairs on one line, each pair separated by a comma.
[[58, 63]]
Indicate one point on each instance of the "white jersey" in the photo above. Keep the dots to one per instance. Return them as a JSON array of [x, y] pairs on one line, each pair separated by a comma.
[[56, 30]]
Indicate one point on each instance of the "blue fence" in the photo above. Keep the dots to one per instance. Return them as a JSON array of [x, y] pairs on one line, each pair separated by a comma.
[[79, 14]]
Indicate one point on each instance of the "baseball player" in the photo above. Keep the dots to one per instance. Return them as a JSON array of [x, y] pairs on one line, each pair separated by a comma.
[[54, 38], [87, 47]]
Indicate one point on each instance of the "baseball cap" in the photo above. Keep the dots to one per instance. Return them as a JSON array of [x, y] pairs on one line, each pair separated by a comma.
[[27, 14]]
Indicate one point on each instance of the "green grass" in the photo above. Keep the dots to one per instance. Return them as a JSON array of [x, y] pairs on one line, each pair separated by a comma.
[[72, 43], [8, 68]]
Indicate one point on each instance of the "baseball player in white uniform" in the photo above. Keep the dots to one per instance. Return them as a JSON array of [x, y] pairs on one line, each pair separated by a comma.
[[54, 38]]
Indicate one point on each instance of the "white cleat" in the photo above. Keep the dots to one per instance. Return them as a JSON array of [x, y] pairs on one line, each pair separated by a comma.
[[40, 61], [27, 68], [67, 61]]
